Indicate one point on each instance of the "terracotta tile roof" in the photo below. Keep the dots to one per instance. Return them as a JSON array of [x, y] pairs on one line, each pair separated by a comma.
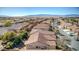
[[51, 43], [47, 40], [42, 26], [33, 38], [41, 31], [48, 37], [77, 30], [42, 36], [46, 22]]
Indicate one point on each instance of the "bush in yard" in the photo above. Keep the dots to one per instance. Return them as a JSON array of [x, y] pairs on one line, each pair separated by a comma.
[[17, 41], [8, 36], [1, 37], [9, 45], [7, 23], [23, 34], [13, 39]]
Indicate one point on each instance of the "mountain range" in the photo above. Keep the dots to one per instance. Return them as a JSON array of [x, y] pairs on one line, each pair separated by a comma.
[[72, 15], [69, 15]]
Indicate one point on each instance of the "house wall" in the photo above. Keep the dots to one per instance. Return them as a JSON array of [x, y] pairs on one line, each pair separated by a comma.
[[38, 45]]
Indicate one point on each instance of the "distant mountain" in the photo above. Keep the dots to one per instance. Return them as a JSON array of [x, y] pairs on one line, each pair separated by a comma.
[[3, 16], [69, 15], [41, 15], [73, 15]]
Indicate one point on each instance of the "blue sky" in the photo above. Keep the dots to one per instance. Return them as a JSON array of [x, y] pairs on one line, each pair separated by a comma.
[[21, 11]]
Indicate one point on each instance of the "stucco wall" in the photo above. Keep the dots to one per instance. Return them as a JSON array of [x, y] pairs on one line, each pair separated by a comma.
[[38, 45]]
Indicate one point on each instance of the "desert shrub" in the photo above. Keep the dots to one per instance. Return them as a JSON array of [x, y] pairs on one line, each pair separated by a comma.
[[15, 41], [12, 40], [1, 37], [12, 44], [8, 36], [9, 45], [7, 23]]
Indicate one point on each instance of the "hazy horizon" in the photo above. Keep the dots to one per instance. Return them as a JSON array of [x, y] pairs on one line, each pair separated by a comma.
[[25, 11]]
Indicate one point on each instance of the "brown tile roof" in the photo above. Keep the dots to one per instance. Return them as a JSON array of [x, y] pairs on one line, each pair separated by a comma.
[[51, 43], [33, 38], [42, 36], [77, 30], [47, 40], [42, 26], [41, 31], [46, 22]]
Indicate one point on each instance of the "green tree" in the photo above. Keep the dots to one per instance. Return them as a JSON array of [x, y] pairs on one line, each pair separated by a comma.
[[23, 34], [17, 41], [12, 39]]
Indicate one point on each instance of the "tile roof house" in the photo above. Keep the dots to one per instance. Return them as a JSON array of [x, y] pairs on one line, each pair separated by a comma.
[[42, 26], [17, 27], [46, 22], [66, 25], [40, 39]]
